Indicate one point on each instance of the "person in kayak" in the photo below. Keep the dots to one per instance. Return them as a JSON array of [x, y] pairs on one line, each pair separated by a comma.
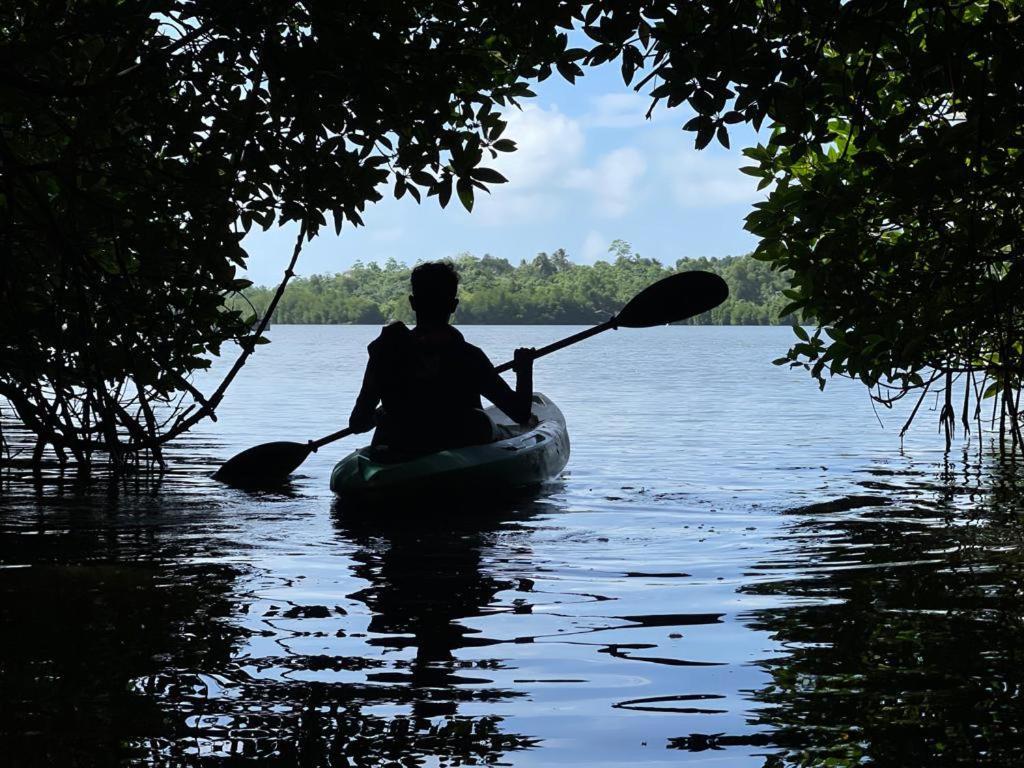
[[429, 379]]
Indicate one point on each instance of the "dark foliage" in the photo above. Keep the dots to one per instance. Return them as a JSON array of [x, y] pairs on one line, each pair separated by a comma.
[[139, 143], [898, 207]]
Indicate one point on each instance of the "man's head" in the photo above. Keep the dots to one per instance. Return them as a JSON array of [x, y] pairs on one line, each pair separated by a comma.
[[434, 285]]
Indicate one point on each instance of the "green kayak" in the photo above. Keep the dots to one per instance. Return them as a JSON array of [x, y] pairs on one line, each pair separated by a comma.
[[531, 457]]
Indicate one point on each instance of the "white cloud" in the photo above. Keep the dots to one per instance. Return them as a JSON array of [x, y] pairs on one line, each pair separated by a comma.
[[704, 180], [611, 180], [548, 143], [550, 175], [549, 147], [548, 170]]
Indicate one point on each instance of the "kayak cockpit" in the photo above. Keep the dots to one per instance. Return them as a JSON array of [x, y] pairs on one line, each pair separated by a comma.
[[523, 456]]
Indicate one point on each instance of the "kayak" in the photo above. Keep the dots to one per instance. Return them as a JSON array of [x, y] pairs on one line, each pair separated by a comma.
[[529, 457]]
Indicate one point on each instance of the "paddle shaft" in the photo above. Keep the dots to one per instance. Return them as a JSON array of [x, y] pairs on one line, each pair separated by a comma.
[[314, 444], [566, 342]]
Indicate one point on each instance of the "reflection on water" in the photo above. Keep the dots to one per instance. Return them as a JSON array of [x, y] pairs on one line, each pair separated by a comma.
[[422, 580], [906, 639], [91, 596], [764, 594], [121, 637]]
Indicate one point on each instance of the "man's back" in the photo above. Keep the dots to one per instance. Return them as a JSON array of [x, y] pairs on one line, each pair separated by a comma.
[[430, 379], [429, 383], [424, 376]]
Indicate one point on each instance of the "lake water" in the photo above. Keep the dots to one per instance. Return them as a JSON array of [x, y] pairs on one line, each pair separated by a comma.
[[735, 570]]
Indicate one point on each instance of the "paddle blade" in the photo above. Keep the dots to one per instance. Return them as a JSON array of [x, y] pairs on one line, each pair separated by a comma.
[[674, 298], [263, 464]]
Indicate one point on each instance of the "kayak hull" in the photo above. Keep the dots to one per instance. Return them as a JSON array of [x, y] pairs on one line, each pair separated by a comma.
[[527, 459]]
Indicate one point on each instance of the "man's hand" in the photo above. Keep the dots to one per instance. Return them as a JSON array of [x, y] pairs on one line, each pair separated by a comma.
[[522, 360], [360, 422]]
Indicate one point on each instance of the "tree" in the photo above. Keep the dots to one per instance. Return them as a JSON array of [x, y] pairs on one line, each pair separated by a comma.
[[138, 144], [551, 289], [900, 216]]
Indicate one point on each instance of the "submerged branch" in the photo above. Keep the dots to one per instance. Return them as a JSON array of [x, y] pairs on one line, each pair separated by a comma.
[[208, 407]]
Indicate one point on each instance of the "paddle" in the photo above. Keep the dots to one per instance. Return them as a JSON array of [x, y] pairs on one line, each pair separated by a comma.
[[674, 298]]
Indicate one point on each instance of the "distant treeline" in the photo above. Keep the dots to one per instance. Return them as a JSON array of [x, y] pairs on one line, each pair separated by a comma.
[[547, 289]]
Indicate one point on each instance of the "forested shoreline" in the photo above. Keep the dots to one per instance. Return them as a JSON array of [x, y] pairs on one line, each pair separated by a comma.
[[547, 289]]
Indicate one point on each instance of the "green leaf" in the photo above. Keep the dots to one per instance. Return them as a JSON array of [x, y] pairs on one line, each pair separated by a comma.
[[464, 187], [704, 135], [569, 70], [423, 178], [444, 191], [488, 175], [252, 340], [723, 136]]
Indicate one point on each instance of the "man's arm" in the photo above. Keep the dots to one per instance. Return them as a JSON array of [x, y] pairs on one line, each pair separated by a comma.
[[518, 404], [364, 414]]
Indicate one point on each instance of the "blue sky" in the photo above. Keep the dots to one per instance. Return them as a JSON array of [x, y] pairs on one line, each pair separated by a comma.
[[589, 169]]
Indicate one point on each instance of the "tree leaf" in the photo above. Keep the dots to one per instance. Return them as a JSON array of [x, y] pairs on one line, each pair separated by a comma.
[[488, 175], [465, 190], [723, 136]]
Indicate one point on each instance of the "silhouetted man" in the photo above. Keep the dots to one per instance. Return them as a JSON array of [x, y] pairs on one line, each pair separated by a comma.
[[430, 379]]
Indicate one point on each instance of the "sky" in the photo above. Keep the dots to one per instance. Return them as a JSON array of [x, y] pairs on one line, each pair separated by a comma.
[[589, 169]]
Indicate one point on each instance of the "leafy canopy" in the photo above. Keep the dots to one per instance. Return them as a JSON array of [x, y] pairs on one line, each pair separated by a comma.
[[900, 216], [139, 143]]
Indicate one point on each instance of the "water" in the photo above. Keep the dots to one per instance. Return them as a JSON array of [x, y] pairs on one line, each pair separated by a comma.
[[734, 570]]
